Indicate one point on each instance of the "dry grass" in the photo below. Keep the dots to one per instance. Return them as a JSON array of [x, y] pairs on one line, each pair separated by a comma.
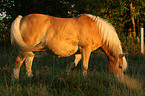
[[50, 77]]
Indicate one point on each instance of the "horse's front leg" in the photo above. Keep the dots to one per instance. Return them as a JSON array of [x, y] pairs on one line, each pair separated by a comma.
[[86, 51]]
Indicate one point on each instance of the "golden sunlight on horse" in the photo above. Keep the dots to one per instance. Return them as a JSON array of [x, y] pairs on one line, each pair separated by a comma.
[[64, 37]]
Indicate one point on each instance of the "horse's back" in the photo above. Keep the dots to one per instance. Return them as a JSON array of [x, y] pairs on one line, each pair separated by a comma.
[[63, 36]]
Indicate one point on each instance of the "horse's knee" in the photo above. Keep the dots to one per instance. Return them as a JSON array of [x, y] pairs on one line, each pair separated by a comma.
[[18, 63]]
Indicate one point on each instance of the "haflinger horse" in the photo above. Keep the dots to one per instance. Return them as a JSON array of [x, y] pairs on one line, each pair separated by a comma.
[[64, 37]]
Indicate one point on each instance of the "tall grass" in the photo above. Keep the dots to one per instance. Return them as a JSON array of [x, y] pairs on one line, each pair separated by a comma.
[[51, 79]]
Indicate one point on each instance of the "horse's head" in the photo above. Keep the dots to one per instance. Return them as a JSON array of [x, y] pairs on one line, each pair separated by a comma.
[[117, 65], [121, 65], [122, 62]]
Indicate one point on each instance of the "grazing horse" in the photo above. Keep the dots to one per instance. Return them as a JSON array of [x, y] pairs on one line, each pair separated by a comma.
[[64, 37]]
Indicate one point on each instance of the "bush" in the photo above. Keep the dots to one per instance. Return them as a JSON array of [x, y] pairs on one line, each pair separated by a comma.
[[131, 45]]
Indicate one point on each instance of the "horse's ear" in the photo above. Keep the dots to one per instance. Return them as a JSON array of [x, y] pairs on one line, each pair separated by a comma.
[[121, 55]]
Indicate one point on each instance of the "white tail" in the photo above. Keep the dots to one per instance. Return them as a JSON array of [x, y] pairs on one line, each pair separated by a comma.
[[17, 38]]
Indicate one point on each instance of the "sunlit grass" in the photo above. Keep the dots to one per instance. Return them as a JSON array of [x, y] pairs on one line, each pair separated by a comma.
[[50, 77]]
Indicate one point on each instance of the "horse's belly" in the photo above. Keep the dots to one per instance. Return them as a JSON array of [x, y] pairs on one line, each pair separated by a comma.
[[62, 49]]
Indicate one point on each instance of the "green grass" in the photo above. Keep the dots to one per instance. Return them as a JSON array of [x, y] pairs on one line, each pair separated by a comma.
[[51, 79]]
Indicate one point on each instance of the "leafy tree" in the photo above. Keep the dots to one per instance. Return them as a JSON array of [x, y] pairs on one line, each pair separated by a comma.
[[13, 8], [125, 15]]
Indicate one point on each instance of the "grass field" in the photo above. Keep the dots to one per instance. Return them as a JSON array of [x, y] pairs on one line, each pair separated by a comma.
[[51, 79]]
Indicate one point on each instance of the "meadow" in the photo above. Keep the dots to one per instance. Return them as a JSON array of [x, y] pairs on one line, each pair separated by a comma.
[[51, 79]]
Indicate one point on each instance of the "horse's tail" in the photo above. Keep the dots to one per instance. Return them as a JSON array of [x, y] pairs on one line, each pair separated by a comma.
[[17, 38]]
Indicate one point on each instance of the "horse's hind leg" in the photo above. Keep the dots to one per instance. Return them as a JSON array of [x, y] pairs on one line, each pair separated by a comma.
[[18, 63], [75, 63], [28, 63]]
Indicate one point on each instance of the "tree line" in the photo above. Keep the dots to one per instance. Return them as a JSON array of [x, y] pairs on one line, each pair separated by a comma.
[[126, 15]]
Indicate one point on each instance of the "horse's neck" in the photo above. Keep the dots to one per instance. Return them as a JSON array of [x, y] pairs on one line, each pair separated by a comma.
[[110, 54]]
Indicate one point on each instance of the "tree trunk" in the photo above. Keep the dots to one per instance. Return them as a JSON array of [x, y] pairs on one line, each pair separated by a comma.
[[132, 19]]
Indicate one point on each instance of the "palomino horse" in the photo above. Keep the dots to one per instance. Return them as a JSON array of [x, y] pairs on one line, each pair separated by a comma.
[[64, 37]]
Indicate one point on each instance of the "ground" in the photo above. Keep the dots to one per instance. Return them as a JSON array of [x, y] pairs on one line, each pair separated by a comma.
[[50, 77]]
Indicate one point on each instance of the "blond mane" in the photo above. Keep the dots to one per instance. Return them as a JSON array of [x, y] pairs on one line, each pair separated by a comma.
[[110, 37]]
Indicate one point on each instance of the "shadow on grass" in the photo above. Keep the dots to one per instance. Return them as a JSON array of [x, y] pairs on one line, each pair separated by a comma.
[[50, 77]]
